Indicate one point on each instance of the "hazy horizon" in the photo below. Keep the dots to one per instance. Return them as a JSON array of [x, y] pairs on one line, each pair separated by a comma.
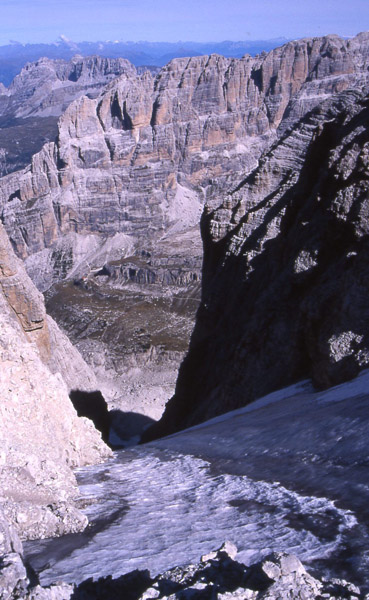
[[43, 21], [64, 38]]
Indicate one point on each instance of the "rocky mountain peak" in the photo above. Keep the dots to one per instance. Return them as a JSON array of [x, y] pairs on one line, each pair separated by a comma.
[[47, 81], [30, 107], [201, 123]]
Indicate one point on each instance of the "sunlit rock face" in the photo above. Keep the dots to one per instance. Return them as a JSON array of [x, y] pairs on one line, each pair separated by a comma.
[[46, 87], [42, 438], [146, 154], [285, 277], [39, 94]]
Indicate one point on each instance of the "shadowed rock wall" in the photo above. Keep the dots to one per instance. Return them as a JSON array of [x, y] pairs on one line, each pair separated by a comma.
[[286, 268]]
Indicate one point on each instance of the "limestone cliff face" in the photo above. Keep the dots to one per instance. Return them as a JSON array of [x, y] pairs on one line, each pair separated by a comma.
[[45, 88], [138, 159], [41, 437], [286, 270], [26, 302], [30, 107]]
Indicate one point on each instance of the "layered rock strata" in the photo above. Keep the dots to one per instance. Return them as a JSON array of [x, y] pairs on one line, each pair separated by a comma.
[[117, 198], [23, 300], [31, 105], [285, 271], [42, 438], [144, 156], [46, 87]]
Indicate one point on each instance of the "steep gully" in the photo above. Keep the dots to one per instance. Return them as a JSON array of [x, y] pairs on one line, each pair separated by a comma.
[[338, 524], [114, 203], [292, 243]]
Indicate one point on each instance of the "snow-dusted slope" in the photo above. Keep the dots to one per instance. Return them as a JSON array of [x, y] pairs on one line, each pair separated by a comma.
[[287, 473]]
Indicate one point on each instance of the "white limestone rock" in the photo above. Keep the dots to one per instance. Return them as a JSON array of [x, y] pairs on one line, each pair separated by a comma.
[[41, 437]]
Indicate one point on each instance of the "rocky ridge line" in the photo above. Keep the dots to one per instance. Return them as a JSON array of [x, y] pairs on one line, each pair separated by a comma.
[[46, 87], [31, 105], [143, 157]]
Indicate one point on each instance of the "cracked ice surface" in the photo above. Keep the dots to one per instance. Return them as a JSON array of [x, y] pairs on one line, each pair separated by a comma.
[[287, 473]]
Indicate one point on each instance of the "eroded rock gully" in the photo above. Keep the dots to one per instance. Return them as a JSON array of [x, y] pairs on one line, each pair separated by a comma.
[[114, 199], [134, 337]]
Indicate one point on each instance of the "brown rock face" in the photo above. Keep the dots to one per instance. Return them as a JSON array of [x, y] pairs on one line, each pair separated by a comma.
[[41, 437], [121, 162], [285, 271]]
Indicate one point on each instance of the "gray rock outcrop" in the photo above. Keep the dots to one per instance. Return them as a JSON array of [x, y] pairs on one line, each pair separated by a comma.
[[17, 583], [217, 577], [46, 87], [42, 439], [21, 297], [39, 94]]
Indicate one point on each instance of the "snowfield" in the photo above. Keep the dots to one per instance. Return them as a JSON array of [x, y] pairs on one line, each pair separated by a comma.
[[288, 473]]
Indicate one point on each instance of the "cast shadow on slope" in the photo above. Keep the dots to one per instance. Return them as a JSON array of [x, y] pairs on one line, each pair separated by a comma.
[[118, 429], [197, 582], [219, 575]]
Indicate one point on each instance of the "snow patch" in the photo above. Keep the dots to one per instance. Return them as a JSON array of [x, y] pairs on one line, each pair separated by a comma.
[[178, 510], [287, 473], [184, 210]]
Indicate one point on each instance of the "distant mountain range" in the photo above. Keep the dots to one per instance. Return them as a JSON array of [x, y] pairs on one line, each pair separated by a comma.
[[15, 55]]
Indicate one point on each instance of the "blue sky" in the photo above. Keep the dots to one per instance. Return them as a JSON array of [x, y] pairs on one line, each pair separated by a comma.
[[173, 20]]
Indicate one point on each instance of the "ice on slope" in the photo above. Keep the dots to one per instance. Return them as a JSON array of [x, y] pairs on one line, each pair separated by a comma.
[[178, 509], [287, 473]]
